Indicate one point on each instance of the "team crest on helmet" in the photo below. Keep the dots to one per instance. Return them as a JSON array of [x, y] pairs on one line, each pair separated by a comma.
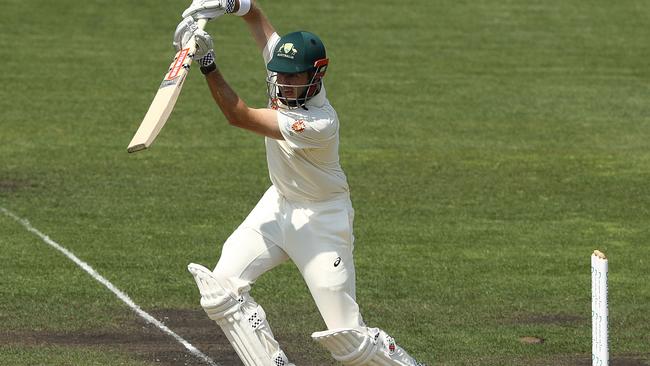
[[287, 50], [298, 126]]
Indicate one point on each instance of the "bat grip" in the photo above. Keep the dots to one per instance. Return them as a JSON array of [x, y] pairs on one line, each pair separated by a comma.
[[202, 22]]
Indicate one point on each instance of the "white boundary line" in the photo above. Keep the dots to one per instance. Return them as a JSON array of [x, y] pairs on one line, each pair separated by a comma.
[[121, 295]]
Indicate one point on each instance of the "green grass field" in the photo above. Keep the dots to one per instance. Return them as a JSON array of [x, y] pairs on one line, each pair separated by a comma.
[[490, 147]]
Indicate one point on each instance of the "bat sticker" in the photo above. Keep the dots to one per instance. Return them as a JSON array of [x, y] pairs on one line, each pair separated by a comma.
[[178, 64]]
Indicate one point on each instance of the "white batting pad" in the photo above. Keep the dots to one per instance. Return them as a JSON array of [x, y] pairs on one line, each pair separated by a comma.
[[369, 346], [247, 331]]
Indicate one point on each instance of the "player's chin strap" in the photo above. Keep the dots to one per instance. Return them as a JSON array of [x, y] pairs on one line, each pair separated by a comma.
[[367, 346], [241, 319]]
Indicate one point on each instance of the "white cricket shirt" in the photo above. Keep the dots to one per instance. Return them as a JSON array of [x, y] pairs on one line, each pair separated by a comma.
[[305, 165]]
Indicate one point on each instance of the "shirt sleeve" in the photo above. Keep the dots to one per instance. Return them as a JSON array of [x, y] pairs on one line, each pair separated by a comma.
[[307, 131]]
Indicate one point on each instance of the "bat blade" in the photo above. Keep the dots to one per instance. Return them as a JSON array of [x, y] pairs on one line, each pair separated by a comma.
[[163, 103]]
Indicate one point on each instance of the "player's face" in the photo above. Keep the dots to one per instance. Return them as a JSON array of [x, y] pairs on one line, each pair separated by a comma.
[[293, 79]]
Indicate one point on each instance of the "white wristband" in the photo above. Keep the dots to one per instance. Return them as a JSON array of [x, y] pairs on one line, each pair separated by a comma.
[[244, 7]]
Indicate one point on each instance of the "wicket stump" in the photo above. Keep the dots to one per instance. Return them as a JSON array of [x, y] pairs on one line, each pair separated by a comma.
[[599, 310]]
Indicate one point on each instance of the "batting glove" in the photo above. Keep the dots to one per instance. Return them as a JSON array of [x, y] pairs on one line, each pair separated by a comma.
[[211, 9], [184, 32], [187, 30], [204, 55]]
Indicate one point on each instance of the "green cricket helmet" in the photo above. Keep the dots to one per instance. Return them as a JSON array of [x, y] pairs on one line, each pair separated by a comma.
[[295, 53]]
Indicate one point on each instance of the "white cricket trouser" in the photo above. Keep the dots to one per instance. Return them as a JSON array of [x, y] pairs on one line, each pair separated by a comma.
[[316, 236]]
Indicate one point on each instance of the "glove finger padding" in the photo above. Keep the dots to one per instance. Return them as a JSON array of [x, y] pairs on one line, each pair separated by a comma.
[[204, 44], [206, 9], [184, 31]]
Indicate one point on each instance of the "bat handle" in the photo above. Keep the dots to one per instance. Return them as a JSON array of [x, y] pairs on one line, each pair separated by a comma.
[[201, 23]]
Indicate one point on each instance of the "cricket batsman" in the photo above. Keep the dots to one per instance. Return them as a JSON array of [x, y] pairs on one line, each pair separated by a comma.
[[305, 216]]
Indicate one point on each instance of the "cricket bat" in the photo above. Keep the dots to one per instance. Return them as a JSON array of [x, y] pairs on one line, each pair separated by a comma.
[[163, 103]]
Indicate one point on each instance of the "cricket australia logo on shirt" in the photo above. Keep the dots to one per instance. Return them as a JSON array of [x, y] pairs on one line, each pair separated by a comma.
[[298, 126], [287, 50]]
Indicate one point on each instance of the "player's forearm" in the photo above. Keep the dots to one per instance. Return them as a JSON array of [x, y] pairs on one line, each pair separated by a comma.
[[259, 25], [262, 121], [231, 105]]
